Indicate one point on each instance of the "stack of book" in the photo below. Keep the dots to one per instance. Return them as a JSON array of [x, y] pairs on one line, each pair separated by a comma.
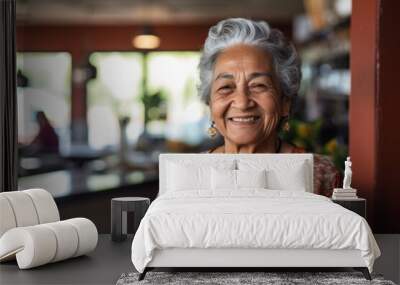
[[344, 194]]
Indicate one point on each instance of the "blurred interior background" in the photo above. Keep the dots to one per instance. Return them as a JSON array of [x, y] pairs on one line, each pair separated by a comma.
[[105, 86]]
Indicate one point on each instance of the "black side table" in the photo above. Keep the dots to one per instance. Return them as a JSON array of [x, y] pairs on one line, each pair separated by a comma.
[[357, 205], [119, 208]]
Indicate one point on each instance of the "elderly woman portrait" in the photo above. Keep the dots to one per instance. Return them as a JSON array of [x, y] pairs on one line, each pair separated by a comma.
[[249, 77]]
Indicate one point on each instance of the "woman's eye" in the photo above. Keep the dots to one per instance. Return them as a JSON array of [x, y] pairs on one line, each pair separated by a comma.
[[259, 87], [225, 88]]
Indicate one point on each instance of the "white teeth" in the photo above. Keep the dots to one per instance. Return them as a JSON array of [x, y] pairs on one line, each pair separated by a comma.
[[246, 119]]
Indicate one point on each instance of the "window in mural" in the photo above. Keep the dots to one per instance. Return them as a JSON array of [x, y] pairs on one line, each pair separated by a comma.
[[173, 77], [153, 93], [114, 96], [43, 98]]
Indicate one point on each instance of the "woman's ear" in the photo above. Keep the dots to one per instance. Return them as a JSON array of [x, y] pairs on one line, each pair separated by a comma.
[[286, 104]]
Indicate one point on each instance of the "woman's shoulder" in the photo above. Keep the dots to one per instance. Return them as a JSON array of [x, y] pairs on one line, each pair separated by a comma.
[[318, 158], [326, 175], [324, 161]]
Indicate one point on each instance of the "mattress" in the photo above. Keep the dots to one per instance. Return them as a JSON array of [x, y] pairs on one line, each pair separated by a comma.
[[250, 219]]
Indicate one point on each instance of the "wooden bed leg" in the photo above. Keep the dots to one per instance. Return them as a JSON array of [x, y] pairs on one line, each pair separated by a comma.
[[364, 271], [143, 274]]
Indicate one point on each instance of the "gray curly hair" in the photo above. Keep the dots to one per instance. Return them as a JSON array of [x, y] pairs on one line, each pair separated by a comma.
[[234, 31]]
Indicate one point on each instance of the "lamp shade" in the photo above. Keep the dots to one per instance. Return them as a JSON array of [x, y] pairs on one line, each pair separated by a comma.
[[146, 40]]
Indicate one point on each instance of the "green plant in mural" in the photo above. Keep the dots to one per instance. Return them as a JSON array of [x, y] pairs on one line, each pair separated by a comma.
[[154, 106], [307, 135], [337, 151]]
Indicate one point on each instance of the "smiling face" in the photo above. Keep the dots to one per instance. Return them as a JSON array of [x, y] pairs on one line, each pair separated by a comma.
[[246, 103]]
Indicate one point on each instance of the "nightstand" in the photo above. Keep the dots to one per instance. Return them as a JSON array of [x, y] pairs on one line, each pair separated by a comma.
[[119, 208], [357, 205]]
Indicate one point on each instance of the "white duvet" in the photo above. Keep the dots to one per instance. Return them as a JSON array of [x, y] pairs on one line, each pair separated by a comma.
[[252, 218]]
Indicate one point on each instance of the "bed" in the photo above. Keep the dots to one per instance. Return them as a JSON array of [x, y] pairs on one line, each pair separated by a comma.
[[241, 210]]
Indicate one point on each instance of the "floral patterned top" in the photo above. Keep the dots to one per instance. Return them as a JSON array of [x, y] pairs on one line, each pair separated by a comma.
[[326, 175]]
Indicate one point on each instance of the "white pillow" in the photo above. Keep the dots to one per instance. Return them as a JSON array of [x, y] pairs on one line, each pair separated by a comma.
[[251, 178], [281, 173], [222, 179], [183, 176], [291, 179]]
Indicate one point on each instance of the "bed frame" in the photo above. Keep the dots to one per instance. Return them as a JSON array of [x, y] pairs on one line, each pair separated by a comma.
[[246, 258], [243, 259]]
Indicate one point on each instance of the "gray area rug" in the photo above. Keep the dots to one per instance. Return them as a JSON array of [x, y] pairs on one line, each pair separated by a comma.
[[229, 278]]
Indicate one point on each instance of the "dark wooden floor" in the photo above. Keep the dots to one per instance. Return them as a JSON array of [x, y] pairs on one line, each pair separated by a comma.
[[110, 259]]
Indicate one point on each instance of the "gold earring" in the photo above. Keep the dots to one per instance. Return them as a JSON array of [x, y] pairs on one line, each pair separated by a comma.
[[286, 125], [212, 130]]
